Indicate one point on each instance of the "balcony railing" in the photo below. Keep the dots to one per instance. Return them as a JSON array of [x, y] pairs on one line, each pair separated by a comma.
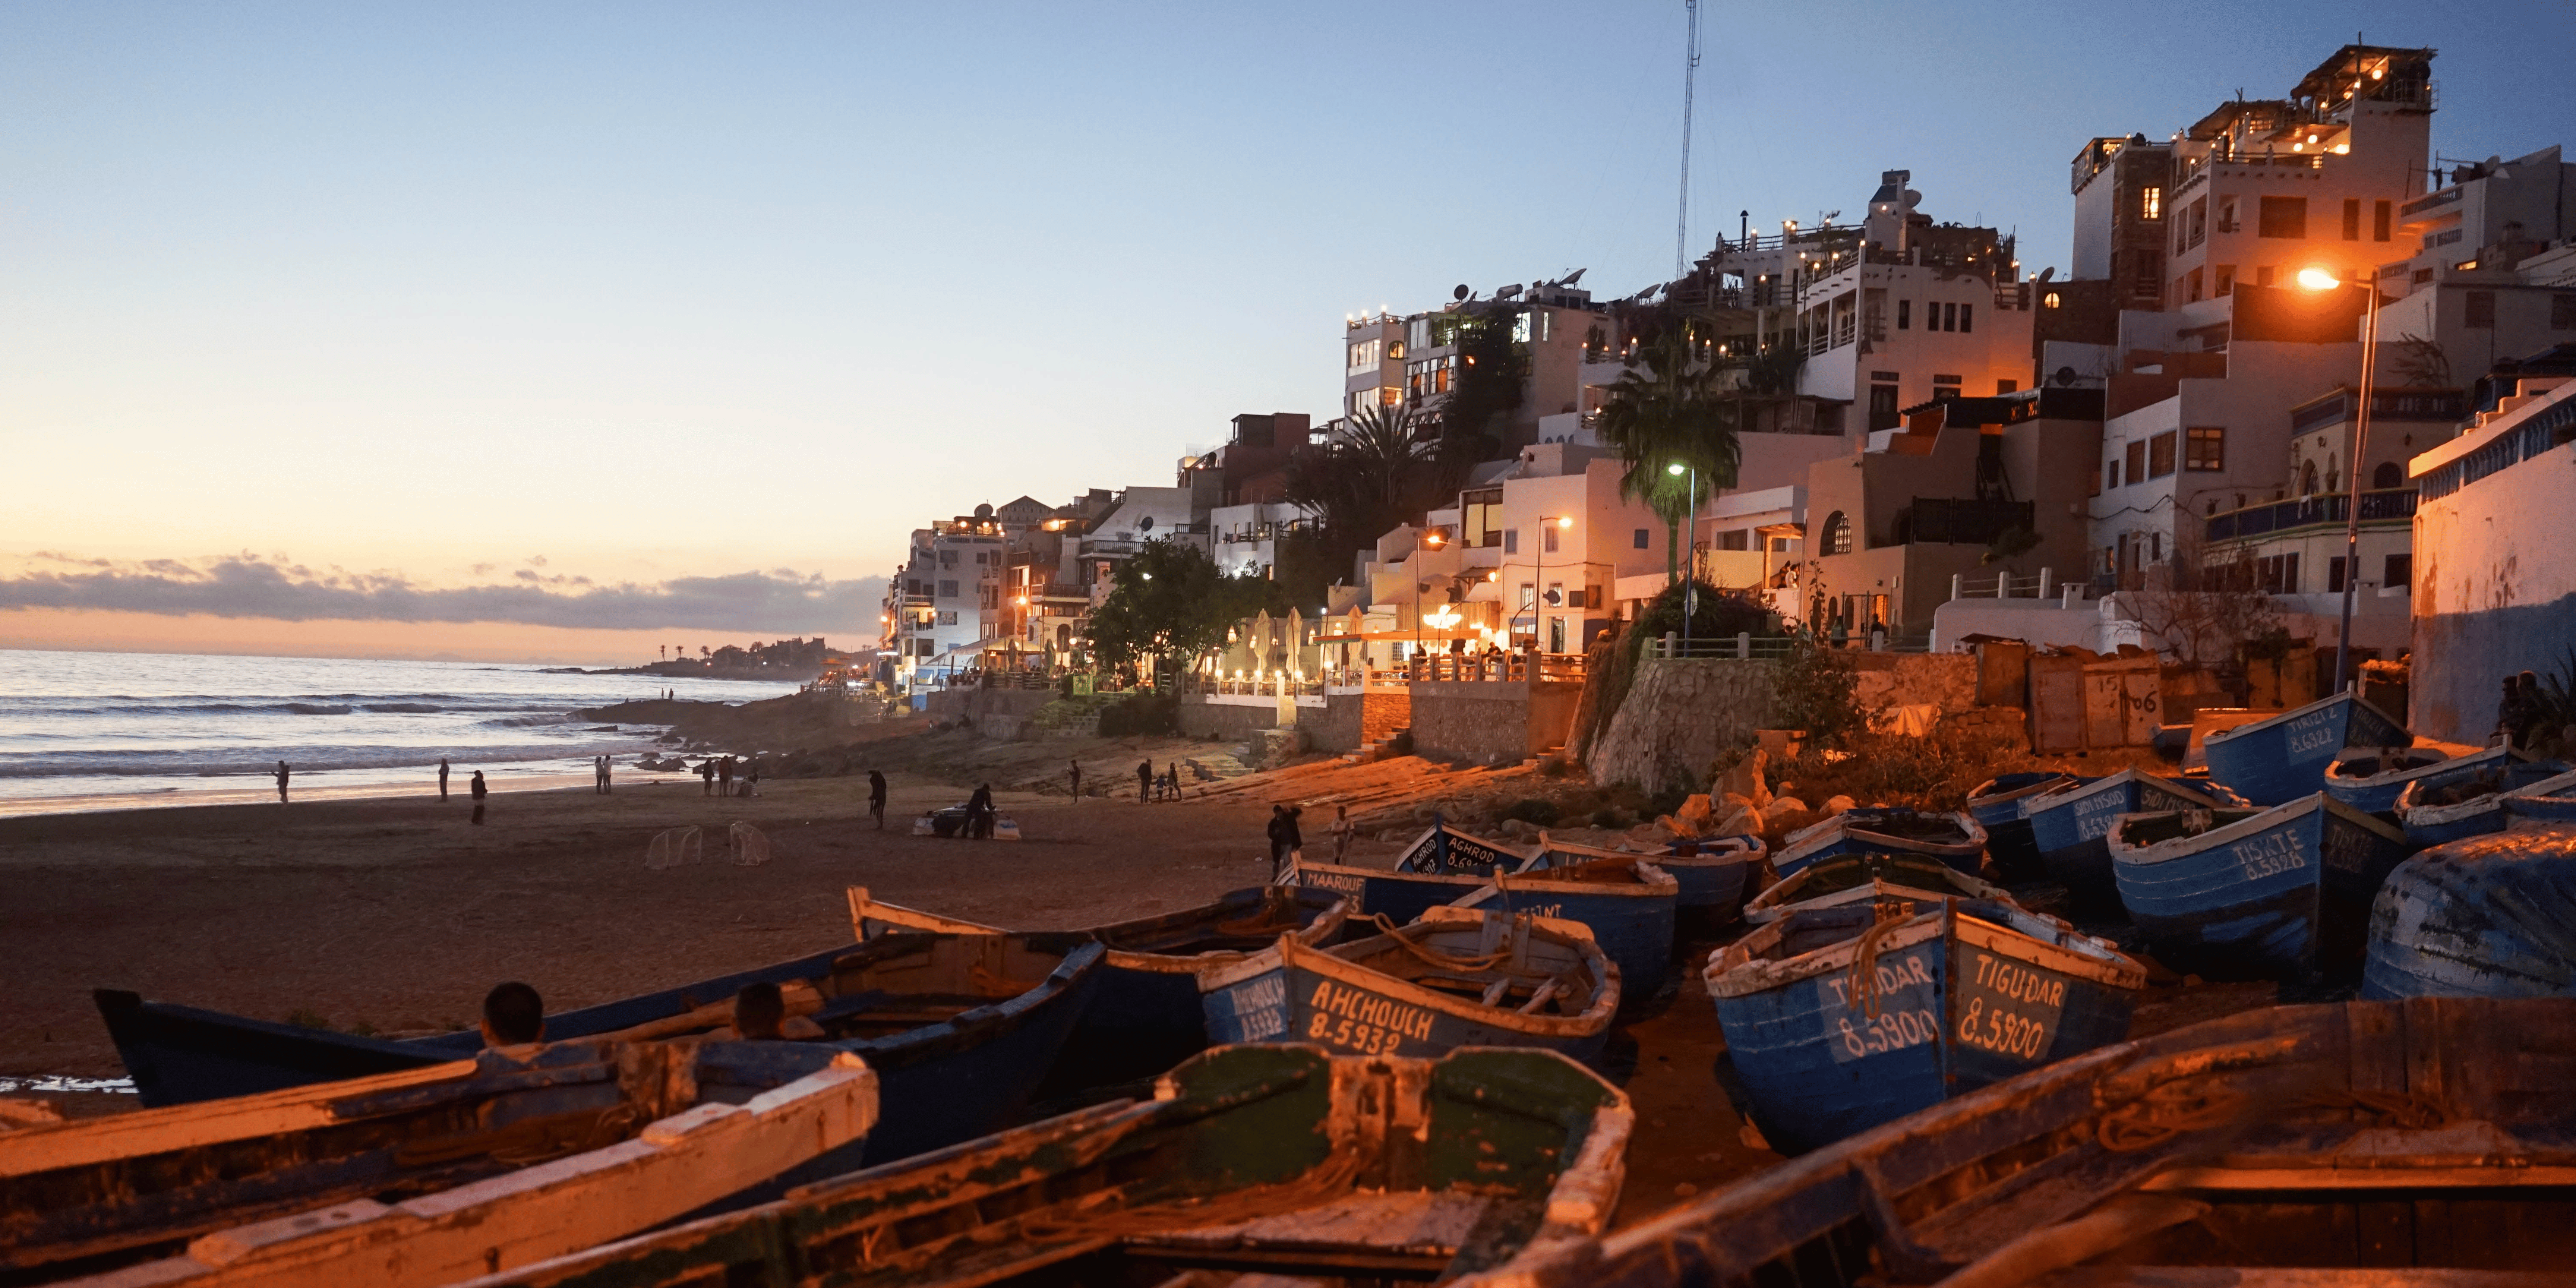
[[2322, 509]]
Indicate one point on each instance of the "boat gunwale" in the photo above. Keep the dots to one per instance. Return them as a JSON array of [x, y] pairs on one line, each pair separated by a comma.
[[2413, 814], [1761, 975], [2174, 847], [2019, 797], [2397, 777], [1652, 883], [1876, 888], [2230, 734], [2142, 778], [1804, 842], [1288, 955], [2552, 789]]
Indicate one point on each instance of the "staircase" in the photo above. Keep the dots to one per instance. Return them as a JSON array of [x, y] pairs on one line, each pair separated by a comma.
[[1375, 750]]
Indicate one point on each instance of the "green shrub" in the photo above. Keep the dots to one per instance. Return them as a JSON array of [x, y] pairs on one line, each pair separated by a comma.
[[1813, 688]]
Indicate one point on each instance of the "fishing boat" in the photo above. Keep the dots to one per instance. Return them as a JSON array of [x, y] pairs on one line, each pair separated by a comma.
[[1279, 1162], [1906, 882], [2551, 800], [428, 1175], [1712, 871], [1443, 850], [2490, 916], [2070, 825], [1837, 1021], [1955, 839], [2281, 758], [959, 1029], [1626, 902], [1998, 803], [2247, 893], [2355, 1145], [1459, 977], [1377, 892], [2370, 780], [2468, 805], [1144, 1016]]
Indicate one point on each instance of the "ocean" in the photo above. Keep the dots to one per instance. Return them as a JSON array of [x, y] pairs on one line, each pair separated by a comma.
[[114, 730]]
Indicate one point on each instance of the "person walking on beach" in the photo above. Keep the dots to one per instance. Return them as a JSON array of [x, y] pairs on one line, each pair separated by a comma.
[[1284, 840], [282, 772], [1144, 781], [1073, 770], [442, 778], [1341, 831], [724, 776], [751, 777], [479, 791], [707, 775], [877, 798], [1175, 779], [979, 813]]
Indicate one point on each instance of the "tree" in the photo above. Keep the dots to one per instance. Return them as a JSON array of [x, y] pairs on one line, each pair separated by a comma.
[[1169, 604], [1493, 369], [2199, 611], [1672, 413]]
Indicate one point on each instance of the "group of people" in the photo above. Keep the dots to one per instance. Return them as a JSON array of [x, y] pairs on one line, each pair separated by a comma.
[[719, 771], [600, 769], [1149, 785], [2524, 717], [477, 788]]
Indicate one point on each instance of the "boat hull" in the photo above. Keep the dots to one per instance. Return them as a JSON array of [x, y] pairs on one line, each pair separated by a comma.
[[2494, 916], [1842, 835], [1712, 884], [2070, 827], [2271, 897], [1633, 924], [1297, 995], [2378, 793], [2280, 759], [1999, 806], [1953, 1013], [1400, 897]]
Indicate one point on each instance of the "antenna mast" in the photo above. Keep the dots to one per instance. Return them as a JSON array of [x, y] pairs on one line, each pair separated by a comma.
[[1690, 82]]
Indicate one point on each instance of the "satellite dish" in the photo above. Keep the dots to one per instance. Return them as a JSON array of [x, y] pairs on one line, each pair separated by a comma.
[[1461, 293], [1571, 278], [1555, 598], [2065, 377], [1145, 524]]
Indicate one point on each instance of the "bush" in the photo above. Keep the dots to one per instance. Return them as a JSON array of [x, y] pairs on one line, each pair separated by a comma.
[[1533, 809], [1144, 712], [1813, 688]]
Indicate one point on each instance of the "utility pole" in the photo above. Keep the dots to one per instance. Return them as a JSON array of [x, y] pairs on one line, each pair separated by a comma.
[[1690, 83]]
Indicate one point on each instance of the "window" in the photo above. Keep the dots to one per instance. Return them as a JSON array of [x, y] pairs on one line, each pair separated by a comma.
[[1644, 537], [1481, 519], [1904, 315], [2111, 472], [1967, 317], [2137, 455], [2049, 301], [2003, 387], [2205, 448], [1944, 387], [2194, 280], [2160, 455], [2379, 221], [2226, 278], [1364, 355], [1735, 539], [2285, 217], [2562, 312], [2147, 277], [2151, 203], [948, 617], [1949, 317], [1547, 537], [1838, 534], [2398, 571], [948, 590], [1511, 541], [2227, 215], [2481, 310], [947, 558], [2387, 476], [1529, 596], [2352, 219], [2279, 574], [1882, 407], [2334, 575]]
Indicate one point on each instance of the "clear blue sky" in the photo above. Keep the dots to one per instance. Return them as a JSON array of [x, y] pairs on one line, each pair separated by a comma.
[[662, 291]]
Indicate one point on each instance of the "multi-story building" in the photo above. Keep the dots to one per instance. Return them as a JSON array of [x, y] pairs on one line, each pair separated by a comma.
[[1888, 313], [2119, 188], [1415, 361], [945, 603], [2493, 275]]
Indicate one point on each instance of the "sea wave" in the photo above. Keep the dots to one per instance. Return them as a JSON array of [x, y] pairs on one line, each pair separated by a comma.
[[403, 707], [317, 709], [202, 763]]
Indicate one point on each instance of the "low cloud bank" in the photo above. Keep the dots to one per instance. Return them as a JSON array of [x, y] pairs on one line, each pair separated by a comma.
[[779, 601]]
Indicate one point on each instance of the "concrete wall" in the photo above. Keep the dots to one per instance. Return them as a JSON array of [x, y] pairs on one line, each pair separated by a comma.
[[1484, 722], [1944, 680], [1677, 715], [1200, 718], [2495, 588], [1349, 721], [995, 713]]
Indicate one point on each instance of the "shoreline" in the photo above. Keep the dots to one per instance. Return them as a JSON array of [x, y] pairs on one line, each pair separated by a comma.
[[181, 798]]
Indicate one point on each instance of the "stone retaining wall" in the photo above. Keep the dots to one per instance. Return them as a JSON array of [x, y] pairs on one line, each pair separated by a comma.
[[1486, 722], [1677, 714], [1944, 680]]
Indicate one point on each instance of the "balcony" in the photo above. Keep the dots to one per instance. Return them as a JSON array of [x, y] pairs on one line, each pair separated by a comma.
[[2325, 509], [1935, 521]]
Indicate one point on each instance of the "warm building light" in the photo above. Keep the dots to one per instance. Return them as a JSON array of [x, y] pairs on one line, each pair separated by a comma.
[[2342, 148], [2318, 279], [1565, 523]]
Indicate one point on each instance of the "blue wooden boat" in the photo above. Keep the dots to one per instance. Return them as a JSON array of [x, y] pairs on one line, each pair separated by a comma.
[[1998, 806], [428, 1175], [1955, 839], [1281, 1161], [2355, 1145], [1376, 892], [2281, 758], [1626, 902], [2490, 916], [1837, 1021], [1712, 871], [1443, 850], [2070, 824], [960, 1029], [2370, 780], [1904, 882], [2251, 894], [2468, 805], [2551, 800], [1459, 977], [1144, 1015]]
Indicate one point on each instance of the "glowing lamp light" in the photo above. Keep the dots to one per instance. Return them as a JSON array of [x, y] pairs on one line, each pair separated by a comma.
[[1565, 523], [1674, 469], [2318, 279]]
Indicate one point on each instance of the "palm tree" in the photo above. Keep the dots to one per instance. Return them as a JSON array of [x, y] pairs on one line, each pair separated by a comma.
[[1671, 414]]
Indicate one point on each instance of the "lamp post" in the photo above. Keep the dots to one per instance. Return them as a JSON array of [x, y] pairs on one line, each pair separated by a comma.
[[1538, 588], [2318, 279], [1690, 551], [1430, 538]]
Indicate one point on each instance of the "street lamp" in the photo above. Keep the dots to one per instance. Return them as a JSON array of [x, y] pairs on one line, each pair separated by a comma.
[[1538, 597], [1690, 549], [2318, 279], [1430, 538]]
